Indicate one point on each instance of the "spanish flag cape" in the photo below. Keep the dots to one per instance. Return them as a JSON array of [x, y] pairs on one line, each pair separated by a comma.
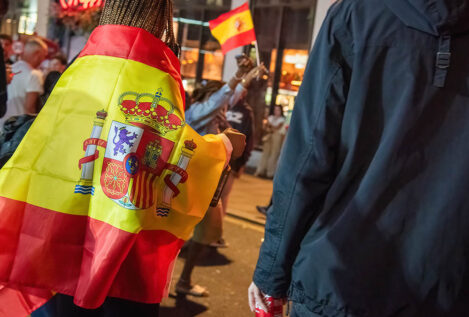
[[108, 182]]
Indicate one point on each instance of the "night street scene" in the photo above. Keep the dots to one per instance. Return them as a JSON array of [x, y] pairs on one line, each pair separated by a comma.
[[265, 158]]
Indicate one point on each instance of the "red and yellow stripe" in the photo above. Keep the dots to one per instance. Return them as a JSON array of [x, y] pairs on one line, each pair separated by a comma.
[[87, 246], [234, 28], [82, 257]]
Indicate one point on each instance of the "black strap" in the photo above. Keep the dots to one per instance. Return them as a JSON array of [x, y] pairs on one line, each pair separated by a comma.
[[443, 61]]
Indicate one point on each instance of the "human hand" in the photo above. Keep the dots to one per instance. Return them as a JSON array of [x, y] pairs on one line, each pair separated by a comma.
[[256, 297], [238, 141], [256, 72], [245, 64]]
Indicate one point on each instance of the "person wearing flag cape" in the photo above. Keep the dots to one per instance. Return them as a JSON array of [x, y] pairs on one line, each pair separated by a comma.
[[110, 181]]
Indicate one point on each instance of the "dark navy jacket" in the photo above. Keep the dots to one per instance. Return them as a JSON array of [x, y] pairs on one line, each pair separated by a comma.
[[370, 212]]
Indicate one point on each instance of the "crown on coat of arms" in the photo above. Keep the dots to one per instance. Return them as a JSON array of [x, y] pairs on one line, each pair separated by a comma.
[[190, 145], [151, 110]]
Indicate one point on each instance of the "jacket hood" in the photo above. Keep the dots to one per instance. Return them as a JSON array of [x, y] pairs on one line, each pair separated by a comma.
[[436, 17]]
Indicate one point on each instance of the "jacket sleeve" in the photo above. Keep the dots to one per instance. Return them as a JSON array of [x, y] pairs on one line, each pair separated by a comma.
[[202, 113], [238, 94], [307, 164]]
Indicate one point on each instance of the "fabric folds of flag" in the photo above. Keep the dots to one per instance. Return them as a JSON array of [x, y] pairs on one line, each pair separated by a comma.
[[234, 29], [108, 182]]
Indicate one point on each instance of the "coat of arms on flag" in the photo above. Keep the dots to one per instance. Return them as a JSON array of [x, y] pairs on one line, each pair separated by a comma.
[[145, 178], [137, 153]]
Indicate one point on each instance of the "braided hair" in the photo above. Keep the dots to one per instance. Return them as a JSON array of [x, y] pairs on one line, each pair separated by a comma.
[[155, 16]]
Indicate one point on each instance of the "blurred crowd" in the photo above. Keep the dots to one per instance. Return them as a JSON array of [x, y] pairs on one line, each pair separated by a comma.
[[30, 75], [213, 107], [27, 79]]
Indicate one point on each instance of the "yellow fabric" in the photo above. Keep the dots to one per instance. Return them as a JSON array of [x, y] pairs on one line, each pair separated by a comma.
[[44, 170], [234, 25]]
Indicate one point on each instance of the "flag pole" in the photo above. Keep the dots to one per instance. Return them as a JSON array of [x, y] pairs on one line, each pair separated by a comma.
[[257, 53]]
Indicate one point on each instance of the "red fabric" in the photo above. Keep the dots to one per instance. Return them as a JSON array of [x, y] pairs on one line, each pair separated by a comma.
[[98, 142], [222, 18], [49, 250], [134, 44], [88, 159], [21, 302], [241, 39]]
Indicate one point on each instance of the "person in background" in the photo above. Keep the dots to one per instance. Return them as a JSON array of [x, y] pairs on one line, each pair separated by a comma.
[[27, 83], [58, 63], [212, 99], [7, 45], [203, 115], [239, 116], [263, 209], [57, 66], [49, 83], [273, 141]]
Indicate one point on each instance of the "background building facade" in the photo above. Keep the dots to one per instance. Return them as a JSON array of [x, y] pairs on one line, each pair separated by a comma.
[[285, 31]]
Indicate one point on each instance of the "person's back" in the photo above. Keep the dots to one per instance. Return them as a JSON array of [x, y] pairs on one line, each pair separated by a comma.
[[371, 211]]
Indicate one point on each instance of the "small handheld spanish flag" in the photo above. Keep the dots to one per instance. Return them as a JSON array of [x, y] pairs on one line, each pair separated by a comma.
[[234, 29]]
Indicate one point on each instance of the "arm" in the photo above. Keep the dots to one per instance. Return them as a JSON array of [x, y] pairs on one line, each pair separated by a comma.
[[307, 166], [238, 94], [242, 88], [33, 91], [245, 64], [201, 113], [31, 103]]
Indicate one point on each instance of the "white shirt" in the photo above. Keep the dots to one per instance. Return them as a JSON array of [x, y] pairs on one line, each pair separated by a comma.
[[25, 79], [276, 121]]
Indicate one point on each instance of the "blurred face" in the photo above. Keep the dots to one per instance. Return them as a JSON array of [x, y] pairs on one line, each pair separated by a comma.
[[277, 111], [39, 57], [7, 48], [56, 65]]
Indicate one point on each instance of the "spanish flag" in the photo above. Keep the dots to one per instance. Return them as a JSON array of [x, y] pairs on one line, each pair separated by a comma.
[[234, 29], [108, 182]]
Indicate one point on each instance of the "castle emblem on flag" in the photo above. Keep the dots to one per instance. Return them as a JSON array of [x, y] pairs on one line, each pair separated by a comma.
[[152, 153], [138, 152]]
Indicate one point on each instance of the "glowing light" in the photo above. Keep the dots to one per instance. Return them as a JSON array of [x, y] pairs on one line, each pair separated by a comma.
[[296, 82], [80, 4]]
